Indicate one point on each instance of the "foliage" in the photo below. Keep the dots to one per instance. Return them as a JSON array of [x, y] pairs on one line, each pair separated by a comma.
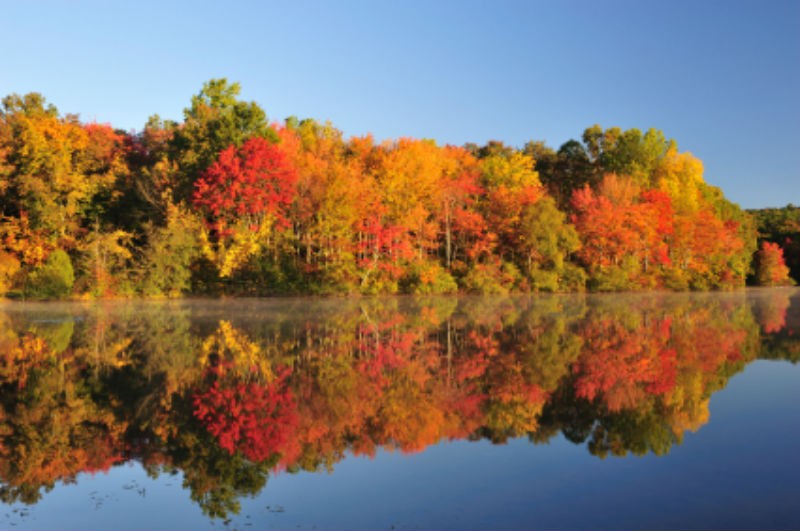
[[224, 203], [771, 269], [781, 226], [215, 120], [170, 252], [104, 262], [9, 266], [426, 279], [51, 280]]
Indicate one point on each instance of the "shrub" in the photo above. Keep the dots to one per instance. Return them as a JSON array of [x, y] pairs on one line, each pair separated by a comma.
[[53, 279], [492, 278], [429, 279]]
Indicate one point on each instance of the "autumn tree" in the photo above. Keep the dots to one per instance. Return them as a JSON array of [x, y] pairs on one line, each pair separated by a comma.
[[215, 120], [713, 239], [781, 226], [771, 269], [299, 208], [419, 182], [147, 192], [511, 184], [332, 188], [246, 194], [56, 166], [463, 227]]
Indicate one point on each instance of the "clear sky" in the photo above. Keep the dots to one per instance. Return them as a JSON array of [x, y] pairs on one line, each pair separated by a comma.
[[720, 77]]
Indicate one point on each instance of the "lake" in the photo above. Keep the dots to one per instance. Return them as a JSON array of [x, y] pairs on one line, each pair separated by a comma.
[[642, 411]]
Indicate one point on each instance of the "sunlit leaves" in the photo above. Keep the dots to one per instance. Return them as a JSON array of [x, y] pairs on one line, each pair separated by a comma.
[[302, 209], [253, 183], [771, 269], [247, 190], [215, 120]]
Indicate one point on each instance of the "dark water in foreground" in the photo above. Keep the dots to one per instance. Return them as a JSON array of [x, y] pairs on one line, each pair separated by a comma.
[[599, 412]]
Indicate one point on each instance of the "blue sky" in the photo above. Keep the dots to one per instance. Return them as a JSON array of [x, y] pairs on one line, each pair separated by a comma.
[[720, 77]]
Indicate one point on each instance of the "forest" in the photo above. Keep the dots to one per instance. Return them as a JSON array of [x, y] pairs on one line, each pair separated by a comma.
[[227, 203]]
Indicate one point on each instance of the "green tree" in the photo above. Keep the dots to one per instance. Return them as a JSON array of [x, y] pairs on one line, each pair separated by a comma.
[[571, 170], [781, 226], [215, 120], [627, 152], [170, 252], [548, 241], [53, 279], [103, 263]]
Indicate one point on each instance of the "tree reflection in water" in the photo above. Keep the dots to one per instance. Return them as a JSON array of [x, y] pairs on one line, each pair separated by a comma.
[[230, 392]]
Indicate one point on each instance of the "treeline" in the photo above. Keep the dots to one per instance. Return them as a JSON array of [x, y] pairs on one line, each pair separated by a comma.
[[225, 203], [779, 234]]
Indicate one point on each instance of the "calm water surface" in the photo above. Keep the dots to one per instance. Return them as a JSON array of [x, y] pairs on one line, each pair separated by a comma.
[[654, 411]]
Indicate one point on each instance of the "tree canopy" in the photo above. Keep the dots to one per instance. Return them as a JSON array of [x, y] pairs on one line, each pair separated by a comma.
[[224, 202]]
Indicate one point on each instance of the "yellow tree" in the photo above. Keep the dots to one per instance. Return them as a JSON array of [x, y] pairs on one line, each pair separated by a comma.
[[58, 164], [512, 184], [713, 239], [332, 189], [409, 175]]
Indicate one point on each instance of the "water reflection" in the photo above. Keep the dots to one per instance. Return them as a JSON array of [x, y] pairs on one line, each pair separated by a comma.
[[230, 392]]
